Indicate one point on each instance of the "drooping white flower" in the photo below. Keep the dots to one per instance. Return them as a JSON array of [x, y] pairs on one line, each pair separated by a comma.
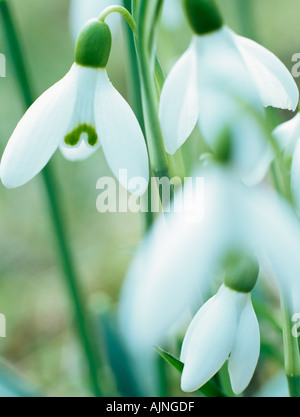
[[225, 327], [78, 114], [177, 265], [219, 75], [83, 10]]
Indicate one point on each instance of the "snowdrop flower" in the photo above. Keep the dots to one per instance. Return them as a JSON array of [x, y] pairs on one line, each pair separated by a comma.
[[83, 10], [225, 327], [180, 262], [78, 114], [216, 77]]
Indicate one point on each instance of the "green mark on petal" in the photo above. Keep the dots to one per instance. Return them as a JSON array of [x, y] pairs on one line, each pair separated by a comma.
[[73, 138]]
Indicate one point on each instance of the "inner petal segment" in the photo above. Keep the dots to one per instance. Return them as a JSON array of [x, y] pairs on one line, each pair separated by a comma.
[[74, 138]]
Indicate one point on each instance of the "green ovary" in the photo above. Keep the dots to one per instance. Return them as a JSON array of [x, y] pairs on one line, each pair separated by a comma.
[[73, 138]]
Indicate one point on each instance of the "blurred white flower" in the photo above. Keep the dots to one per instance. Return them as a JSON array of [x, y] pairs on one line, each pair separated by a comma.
[[211, 84], [178, 264], [288, 137], [83, 10], [225, 327], [80, 113]]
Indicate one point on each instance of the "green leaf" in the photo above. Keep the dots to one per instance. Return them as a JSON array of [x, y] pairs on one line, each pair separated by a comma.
[[208, 390]]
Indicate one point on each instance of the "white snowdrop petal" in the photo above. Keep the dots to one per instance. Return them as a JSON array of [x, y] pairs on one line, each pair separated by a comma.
[[211, 341], [193, 327], [85, 94], [276, 231], [82, 126], [179, 108], [78, 153], [295, 177], [224, 91], [120, 135], [38, 133], [287, 134], [221, 69], [155, 294], [245, 353], [172, 271], [251, 153], [275, 84]]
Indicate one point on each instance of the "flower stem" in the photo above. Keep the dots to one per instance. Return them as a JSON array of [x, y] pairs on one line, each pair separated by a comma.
[[290, 343], [245, 11], [291, 346], [122, 11], [135, 87], [291, 351], [156, 148], [55, 212], [71, 279]]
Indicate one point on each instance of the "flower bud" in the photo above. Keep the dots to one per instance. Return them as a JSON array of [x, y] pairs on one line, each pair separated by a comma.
[[241, 272], [93, 45], [203, 16]]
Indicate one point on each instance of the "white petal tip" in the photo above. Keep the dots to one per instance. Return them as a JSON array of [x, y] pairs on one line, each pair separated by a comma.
[[187, 386], [9, 182], [171, 151], [239, 388]]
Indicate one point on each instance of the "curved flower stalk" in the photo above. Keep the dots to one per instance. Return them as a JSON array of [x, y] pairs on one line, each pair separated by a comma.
[[219, 71], [225, 327], [177, 265], [80, 113], [288, 137], [83, 10]]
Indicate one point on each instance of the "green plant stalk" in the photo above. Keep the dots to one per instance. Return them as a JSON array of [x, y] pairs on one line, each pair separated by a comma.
[[291, 347], [136, 102], [290, 343], [291, 351], [176, 162], [149, 84], [123, 11], [156, 148], [55, 211], [245, 11]]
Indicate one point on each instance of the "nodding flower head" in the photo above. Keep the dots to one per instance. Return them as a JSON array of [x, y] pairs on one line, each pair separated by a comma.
[[79, 114], [225, 327], [220, 79]]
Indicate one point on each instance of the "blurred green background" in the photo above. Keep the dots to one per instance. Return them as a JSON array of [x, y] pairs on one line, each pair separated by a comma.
[[41, 343]]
